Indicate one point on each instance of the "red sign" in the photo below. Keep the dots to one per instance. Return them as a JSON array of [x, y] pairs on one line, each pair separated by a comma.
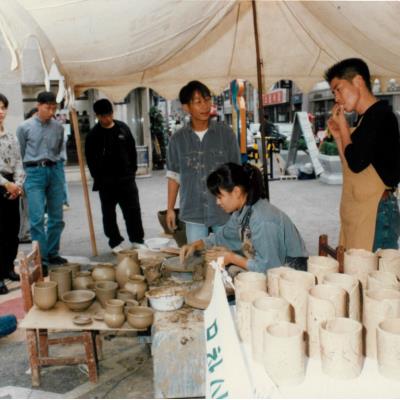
[[277, 96]]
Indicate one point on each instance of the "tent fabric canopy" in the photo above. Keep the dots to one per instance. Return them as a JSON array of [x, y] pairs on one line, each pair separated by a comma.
[[116, 46]]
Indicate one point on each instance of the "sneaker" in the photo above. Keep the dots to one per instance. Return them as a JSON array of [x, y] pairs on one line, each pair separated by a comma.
[[3, 288], [137, 246], [117, 249], [57, 260]]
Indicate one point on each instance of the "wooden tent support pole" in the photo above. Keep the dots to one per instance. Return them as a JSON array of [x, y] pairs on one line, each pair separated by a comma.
[[260, 99], [75, 125]]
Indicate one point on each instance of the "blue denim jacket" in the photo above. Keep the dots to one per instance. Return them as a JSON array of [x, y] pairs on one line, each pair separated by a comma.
[[273, 236], [194, 160]]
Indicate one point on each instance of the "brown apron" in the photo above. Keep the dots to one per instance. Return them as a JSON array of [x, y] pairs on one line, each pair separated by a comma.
[[359, 206]]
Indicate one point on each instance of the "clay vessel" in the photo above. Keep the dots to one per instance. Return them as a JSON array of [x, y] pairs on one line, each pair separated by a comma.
[[140, 317], [382, 280], [63, 277], [283, 355], [114, 315], [341, 348], [78, 300], [74, 267], [352, 286], [360, 263], [105, 290], [321, 266], [243, 312], [250, 281], [264, 312], [103, 272], [325, 302], [388, 346], [129, 304], [82, 280], [92, 287], [123, 294], [126, 267], [378, 306], [201, 296], [45, 294], [273, 276], [136, 284], [389, 261], [293, 287], [133, 254], [151, 268]]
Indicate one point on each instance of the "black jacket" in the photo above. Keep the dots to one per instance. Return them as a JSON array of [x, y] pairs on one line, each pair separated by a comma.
[[110, 155]]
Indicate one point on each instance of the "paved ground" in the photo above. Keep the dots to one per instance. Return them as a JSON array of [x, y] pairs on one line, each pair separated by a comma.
[[126, 371]]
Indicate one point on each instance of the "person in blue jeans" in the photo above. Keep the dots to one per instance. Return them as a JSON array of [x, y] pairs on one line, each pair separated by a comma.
[[8, 324], [41, 140]]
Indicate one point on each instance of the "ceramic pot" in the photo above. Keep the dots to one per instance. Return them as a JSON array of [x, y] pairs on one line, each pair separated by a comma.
[[114, 315], [82, 280], [78, 300], [123, 294], [45, 294], [360, 263], [389, 261], [250, 281], [321, 266], [151, 268], [382, 280], [243, 312], [105, 290], [325, 302], [128, 304], [293, 287], [92, 287], [128, 266], [341, 348], [140, 317], [201, 296], [103, 272], [132, 254], [273, 276], [388, 348], [378, 306], [283, 355], [63, 277], [352, 286], [388, 253], [264, 312], [74, 267], [136, 284]]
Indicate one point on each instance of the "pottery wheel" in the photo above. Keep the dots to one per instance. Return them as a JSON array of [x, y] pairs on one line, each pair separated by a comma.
[[173, 264]]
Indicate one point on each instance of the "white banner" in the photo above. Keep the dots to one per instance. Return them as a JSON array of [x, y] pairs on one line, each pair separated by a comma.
[[227, 374]]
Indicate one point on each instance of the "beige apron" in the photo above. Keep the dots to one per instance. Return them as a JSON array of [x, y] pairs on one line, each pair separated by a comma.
[[359, 206]]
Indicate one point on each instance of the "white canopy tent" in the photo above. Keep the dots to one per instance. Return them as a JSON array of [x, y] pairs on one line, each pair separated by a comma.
[[118, 45]]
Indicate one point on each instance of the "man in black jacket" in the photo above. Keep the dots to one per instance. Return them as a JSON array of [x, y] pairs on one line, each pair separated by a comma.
[[111, 157]]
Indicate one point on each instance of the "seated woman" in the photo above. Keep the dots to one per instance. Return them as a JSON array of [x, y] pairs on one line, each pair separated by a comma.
[[259, 235]]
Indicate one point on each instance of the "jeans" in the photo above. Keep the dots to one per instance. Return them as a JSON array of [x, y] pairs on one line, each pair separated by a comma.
[[44, 188], [387, 230], [66, 192], [199, 231]]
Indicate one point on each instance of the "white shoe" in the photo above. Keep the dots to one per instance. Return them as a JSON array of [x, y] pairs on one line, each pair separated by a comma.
[[137, 246], [117, 249]]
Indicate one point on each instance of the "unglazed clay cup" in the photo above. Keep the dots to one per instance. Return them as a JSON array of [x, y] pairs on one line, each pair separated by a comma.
[[74, 267], [103, 272], [82, 280], [382, 280], [140, 317], [360, 263], [105, 290], [250, 281], [321, 266], [63, 277], [114, 316], [45, 294], [388, 348], [273, 277]]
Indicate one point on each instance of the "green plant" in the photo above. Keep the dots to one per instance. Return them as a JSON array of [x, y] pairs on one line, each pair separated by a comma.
[[157, 131], [329, 147]]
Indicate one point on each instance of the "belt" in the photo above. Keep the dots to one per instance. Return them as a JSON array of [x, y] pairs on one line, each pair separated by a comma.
[[386, 194], [40, 163]]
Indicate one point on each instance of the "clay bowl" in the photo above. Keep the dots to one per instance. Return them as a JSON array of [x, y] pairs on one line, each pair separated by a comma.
[[140, 317], [129, 304], [78, 300], [165, 299]]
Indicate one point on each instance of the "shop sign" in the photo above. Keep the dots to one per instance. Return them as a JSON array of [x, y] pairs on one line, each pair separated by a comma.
[[277, 96]]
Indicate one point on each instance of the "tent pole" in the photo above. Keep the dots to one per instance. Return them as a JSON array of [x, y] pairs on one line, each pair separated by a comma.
[[260, 99], [75, 125]]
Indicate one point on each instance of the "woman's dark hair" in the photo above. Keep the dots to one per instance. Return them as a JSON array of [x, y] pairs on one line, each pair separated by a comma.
[[31, 112], [4, 100], [246, 176], [187, 92]]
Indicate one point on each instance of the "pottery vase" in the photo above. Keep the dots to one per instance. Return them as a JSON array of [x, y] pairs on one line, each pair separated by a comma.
[[273, 276], [293, 287], [360, 263], [129, 304], [200, 297], [388, 348], [126, 267], [132, 254], [264, 312], [82, 280], [136, 284], [341, 348], [352, 286], [378, 305], [382, 280], [250, 281], [321, 266], [105, 290], [63, 277], [103, 272], [114, 315], [45, 294], [74, 267], [389, 261], [243, 312], [283, 353], [325, 302]]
